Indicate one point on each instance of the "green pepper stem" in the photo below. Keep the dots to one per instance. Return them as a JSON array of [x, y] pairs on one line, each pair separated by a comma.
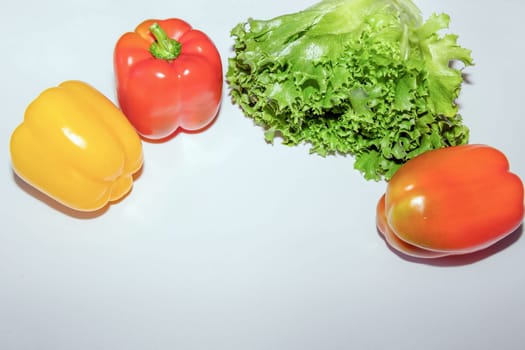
[[163, 47]]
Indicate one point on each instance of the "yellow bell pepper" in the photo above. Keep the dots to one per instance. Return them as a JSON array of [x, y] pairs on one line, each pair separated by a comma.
[[77, 147]]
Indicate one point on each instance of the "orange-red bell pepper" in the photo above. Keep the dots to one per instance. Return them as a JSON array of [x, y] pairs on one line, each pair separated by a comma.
[[453, 200], [169, 76]]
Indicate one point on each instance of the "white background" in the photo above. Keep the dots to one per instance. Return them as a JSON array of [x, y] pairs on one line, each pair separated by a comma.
[[226, 242]]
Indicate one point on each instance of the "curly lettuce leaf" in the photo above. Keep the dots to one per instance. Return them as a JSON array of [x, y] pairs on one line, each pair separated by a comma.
[[367, 78]]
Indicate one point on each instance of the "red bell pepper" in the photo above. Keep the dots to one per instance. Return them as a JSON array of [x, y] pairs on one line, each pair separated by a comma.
[[168, 76], [452, 200]]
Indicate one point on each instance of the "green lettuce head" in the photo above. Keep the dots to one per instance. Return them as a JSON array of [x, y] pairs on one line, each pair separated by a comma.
[[366, 78]]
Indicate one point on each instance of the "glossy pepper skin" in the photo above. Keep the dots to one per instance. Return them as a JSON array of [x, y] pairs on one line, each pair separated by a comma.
[[77, 147], [453, 200], [168, 76]]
